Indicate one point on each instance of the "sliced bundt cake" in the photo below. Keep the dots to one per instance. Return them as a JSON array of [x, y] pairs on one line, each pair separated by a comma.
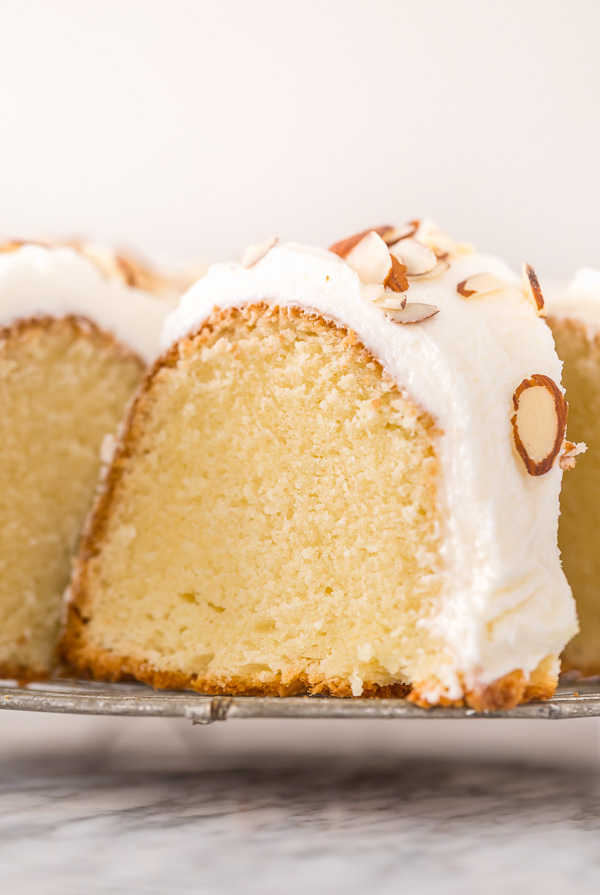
[[341, 477], [74, 342], [574, 315]]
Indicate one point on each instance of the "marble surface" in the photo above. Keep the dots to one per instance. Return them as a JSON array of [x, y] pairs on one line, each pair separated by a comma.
[[106, 805]]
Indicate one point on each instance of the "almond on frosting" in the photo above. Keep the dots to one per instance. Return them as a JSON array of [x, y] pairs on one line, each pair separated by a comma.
[[479, 284], [345, 246], [531, 288], [396, 279], [395, 234], [370, 259], [255, 253], [416, 257], [569, 452], [414, 312], [539, 422]]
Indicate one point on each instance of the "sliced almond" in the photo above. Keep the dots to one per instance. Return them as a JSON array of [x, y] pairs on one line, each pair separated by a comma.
[[439, 242], [480, 284], [397, 233], [414, 312], [391, 301], [373, 292], [396, 279], [254, 254], [569, 452], [370, 259], [345, 246], [531, 288], [539, 422], [441, 267], [416, 257]]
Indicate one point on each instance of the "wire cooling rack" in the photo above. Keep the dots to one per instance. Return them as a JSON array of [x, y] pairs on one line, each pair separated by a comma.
[[572, 700]]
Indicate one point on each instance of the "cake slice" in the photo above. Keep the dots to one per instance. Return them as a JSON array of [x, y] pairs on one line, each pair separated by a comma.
[[75, 337], [574, 316], [341, 477]]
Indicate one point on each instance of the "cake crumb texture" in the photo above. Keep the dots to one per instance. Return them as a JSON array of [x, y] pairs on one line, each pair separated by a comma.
[[64, 384], [270, 523]]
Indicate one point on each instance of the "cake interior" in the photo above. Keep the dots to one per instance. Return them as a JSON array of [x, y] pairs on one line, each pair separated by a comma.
[[579, 527], [63, 386], [270, 525]]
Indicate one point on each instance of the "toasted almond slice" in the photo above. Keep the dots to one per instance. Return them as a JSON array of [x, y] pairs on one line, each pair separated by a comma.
[[439, 242], [479, 284], [345, 246], [531, 288], [398, 233], [417, 258], [569, 452], [396, 279], [414, 312], [373, 292], [441, 267], [539, 422], [254, 254], [391, 301], [370, 259]]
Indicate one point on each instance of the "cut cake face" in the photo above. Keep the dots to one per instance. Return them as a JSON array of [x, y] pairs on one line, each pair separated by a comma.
[[75, 337], [341, 477]]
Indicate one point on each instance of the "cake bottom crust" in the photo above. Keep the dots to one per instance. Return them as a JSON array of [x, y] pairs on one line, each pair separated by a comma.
[[501, 695], [23, 674]]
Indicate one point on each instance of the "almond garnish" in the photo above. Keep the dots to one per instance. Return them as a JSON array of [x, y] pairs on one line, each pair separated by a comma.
[[479, 284], [370, 259], [415, 312], [539, 422], [396, 279], [439, 242], [254, 254], [441, 267], [345, 246], [391, 301], [416, 257], [569, 452], [397, 233], [531, 288], [373, 292]]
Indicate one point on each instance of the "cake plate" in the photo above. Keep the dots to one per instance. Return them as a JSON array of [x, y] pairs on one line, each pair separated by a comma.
[[579, 699]]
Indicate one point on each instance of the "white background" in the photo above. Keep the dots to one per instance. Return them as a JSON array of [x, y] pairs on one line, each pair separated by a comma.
[[191, 128]]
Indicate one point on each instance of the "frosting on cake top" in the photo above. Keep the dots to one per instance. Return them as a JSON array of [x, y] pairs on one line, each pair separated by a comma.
[[38, 280], [506, 602], [579, 299]]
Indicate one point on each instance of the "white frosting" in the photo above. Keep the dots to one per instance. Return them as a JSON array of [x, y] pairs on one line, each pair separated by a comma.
[[579, 299], [35, 280], [506, 603]]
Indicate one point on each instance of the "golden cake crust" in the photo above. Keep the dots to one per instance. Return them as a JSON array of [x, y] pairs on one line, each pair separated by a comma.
[[101, 664]]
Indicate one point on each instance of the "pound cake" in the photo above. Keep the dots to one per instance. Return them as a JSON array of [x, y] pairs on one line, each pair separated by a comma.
[[77, 329], [574, 316], [341, 477]]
